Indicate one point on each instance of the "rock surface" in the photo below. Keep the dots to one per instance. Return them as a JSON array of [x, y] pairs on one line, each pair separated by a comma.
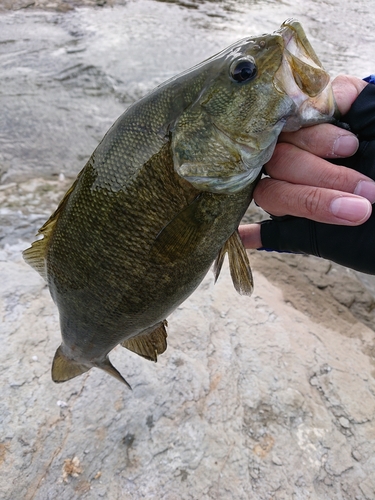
[[268, 397]]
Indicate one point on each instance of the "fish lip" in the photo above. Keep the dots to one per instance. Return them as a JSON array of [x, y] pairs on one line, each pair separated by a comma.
[[292, 31], [302, 78]]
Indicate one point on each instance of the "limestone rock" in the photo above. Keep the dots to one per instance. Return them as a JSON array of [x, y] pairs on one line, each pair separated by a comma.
[[256, 397]]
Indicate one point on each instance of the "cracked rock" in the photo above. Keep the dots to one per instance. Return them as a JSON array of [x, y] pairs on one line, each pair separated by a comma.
[[231, 407]]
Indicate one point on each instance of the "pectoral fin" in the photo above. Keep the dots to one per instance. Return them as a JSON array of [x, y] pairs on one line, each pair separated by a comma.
[[185, 231], [149, 344], [239, 264]]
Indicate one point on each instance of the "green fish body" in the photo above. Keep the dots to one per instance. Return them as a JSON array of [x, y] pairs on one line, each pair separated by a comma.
[[164, 192]]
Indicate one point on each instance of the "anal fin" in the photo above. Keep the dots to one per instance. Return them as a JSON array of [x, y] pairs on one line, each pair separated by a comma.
[[239, 264], [150, 343]]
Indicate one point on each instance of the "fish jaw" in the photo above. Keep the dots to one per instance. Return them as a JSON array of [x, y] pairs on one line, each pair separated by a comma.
[[302, 77], [221, 142]]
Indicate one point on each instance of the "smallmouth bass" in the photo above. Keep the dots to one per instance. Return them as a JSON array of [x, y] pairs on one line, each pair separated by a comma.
[[163, 194]]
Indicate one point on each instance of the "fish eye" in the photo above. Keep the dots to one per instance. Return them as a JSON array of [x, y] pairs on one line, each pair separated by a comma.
[[243, 70]]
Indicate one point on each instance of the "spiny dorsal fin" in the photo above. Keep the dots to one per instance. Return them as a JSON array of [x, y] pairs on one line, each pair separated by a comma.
[[64, 369], [239, 264], [35, 256], [149, 344]]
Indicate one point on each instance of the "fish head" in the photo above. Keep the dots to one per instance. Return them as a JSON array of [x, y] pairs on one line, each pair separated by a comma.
[[251, 92]]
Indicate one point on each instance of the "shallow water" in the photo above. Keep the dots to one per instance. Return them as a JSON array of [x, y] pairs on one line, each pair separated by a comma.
[[66, 77]]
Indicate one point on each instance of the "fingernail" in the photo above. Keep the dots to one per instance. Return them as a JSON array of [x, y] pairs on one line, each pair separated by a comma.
[[366, 189], [345, 145], [351, 209]]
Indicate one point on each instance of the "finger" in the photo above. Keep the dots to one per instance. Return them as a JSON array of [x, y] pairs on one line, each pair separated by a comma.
[[346, 89], [293, 165], [319, 204], [250, 235], [324, 140], [327, 140]]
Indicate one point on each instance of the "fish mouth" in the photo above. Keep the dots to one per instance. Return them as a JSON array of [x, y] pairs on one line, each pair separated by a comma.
[[302, 77]]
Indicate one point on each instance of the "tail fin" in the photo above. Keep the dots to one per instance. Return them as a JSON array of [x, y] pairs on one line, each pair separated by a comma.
[[64, 368], [108, 367]]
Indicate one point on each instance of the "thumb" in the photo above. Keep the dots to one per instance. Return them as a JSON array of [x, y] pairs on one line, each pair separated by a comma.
[[346, 89]]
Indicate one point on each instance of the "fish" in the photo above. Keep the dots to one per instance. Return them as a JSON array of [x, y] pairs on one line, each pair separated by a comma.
[[161, 198]]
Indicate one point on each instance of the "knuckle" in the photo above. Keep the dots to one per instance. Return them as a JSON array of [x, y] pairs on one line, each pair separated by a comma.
[[339, 178], [312, 201], [321, 140], [332, 178]]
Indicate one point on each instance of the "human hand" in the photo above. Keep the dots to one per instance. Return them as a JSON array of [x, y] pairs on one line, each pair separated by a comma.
[[304, 185]]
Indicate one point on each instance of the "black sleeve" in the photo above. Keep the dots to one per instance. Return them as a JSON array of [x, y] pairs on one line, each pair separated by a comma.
[[347, 245]]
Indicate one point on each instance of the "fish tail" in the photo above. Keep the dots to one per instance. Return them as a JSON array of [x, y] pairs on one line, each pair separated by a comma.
[[108, 367], [65, 368]]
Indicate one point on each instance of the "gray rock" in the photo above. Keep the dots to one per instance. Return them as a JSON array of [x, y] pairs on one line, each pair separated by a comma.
[[249, 399]]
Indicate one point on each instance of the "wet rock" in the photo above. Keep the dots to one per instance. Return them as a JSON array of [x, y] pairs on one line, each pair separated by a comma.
[[262, 395]]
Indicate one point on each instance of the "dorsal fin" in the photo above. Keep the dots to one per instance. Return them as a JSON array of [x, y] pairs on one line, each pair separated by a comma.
[[35, 256], [149, 344], [239, 264]]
